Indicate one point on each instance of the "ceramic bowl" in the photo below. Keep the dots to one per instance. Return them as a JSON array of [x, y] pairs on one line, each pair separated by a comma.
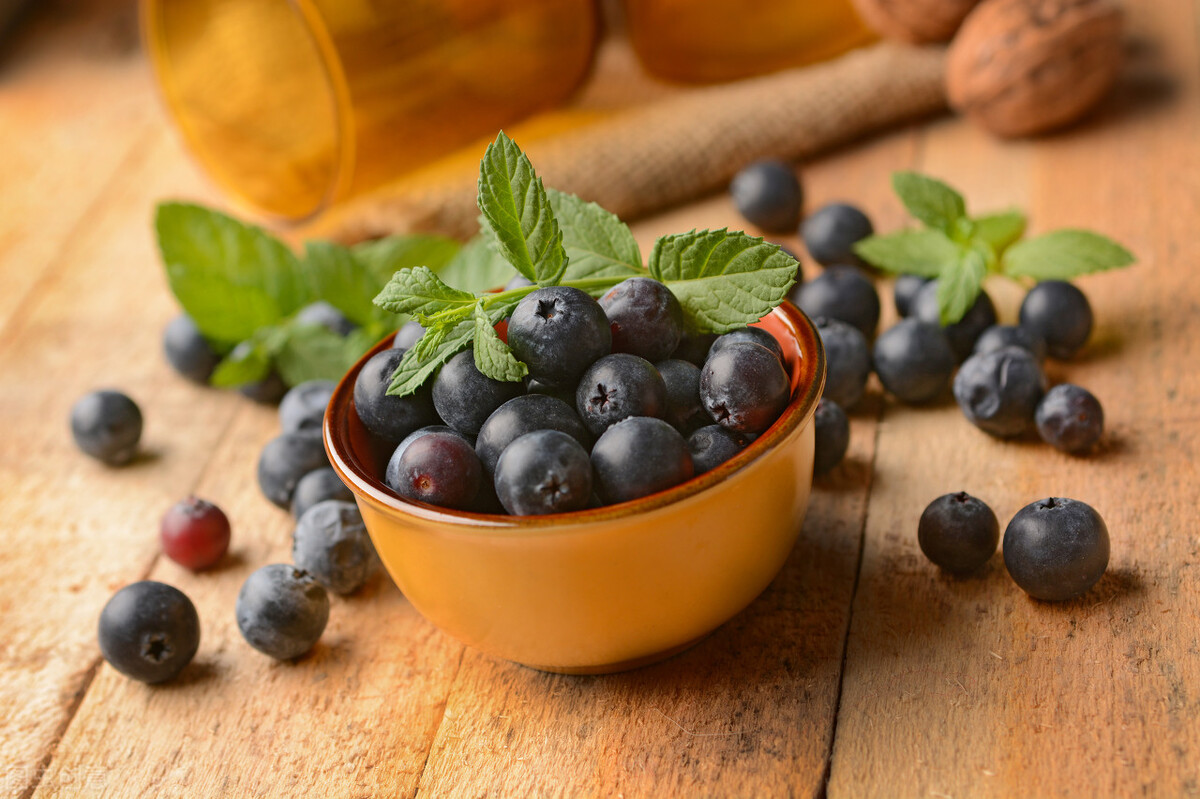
[[610, 588]]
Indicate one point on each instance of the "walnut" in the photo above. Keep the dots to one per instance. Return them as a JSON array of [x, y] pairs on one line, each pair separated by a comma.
[[916, 21], [1019, 67]]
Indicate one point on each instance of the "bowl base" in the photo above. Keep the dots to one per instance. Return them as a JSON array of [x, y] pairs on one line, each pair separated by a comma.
[[624, 665]]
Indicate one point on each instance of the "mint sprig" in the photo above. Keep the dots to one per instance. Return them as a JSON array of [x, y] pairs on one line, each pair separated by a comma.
[[960, 250]]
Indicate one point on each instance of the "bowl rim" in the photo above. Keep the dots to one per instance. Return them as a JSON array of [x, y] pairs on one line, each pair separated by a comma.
[[807, 382]]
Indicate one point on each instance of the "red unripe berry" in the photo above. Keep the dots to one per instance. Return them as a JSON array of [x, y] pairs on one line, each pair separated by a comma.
[[195, 533]]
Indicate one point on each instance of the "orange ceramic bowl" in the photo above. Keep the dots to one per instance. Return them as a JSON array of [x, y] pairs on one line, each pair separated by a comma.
[[610, 588]]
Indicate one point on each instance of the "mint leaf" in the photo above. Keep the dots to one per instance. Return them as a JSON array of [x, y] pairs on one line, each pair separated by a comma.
[[910, 252], [959, 285], [1000, 231], [518, 213], [476, 267], [313, 352], [246, 363], [341, 279], [723, 280], [1064, 254], [598, 244], [492, 356], [930, 200], [425, 358], [231, 278], [384, 257], [420, 292]]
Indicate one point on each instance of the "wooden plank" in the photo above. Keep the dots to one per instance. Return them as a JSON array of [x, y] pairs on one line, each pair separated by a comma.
[[967, 687]]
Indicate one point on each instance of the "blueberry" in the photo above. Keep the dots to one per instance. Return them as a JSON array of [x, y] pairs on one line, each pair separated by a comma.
[[744, 387], [268, 391], [465, 397], [282, 611], [963, 333], [390, 473], [107, 425], [616, 387], [999, 391], [188, 351], [753, 335], [958, 532], [831, 232], [318, 486], [1060, 314], [694, 347], [558, 332], [387, 416], [195, 533], [768, 195], [408, 335], [438, 468], [545, 471], [639, 456], [847, 361], [284, 460], [1070, 418], [302, 409], [712, 445], [840, 292], [913, 360], [149, 631], [645, 318], [523, 415], [321, 313], [331, 543], [832, 431], [997, 336], [684, 410], [1056, 548], [905, 291]]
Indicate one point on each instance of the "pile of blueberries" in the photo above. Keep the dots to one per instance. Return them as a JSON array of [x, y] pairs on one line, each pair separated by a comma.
[[619, 403], [994, 370]]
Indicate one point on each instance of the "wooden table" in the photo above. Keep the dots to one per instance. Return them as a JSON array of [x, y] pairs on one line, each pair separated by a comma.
[[861, 671]]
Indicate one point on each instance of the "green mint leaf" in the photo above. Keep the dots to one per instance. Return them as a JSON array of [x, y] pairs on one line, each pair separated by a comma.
[[723, 280], [959, 284], [1064, 254], [313, 352], [476, 267], [910, 252], [518, 213], [246, 363], [418, 291], [1000, 231], [338, 277], [384, 257], [492, 356], [930, 200], [231, 278], [598, 244], [424, 359]]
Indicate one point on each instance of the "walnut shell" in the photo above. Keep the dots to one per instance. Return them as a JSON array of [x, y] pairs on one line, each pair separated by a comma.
[[1019, 67], [916, 21]]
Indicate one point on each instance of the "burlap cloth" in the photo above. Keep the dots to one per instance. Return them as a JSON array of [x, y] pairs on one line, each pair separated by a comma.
[[685, 145]]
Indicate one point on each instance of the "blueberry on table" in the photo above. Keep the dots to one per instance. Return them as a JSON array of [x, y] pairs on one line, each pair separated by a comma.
[[639, 456], [438, 468], [408, 335], [385, 415], [958, 532], [847, 361], [523, 415], [303, 407], [905, 290], [832, 436], [545, 471], [149, 631], [999, 391], [645, 318], [768, 195], [1070, 418], [913, 360], [831, 231], [284, 460], [318, 486], [684, 410], [1056, 548], [195, 533], [744, 387], [1060, 314], [712, 445], [840, 292], [558, 332], [616, 387], [330, 542], [465, 397], [107, 425], [323, 314], [188, 351], [963, 333], [282, 611], [998, 336], [753, 335]]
